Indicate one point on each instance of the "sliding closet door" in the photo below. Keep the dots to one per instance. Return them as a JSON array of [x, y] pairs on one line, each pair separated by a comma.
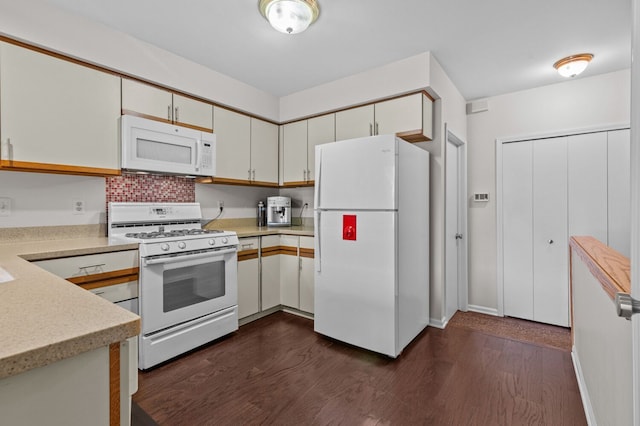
[[588, 185], [517, 187], [550, 242], [619, 164]]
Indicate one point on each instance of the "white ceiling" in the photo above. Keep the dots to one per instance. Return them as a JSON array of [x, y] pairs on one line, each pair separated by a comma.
[[487, 47]]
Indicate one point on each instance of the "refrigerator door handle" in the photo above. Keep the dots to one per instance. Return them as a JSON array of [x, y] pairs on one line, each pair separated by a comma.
[[316, 201], [318, 249]]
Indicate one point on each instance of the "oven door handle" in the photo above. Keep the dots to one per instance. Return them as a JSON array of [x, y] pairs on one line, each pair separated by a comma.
[[163, 260]]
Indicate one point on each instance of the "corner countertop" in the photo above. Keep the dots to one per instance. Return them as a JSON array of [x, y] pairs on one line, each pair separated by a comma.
[[247, 228], [45, 318]]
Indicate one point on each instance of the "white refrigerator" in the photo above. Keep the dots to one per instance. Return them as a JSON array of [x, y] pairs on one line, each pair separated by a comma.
[[371, 216]]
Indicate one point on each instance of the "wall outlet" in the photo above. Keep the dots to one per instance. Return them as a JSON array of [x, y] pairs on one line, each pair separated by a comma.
[[5, 206], [78, 206], [220, 204]]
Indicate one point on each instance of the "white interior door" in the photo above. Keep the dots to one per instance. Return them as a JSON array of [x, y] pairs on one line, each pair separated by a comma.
[[550, 241], [517, 224], [455, 246]]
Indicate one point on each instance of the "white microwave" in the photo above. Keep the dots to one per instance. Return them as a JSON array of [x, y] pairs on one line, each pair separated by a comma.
[[156, 147]]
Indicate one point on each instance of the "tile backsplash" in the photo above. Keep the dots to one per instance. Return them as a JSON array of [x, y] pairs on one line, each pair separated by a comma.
[[150, 188]]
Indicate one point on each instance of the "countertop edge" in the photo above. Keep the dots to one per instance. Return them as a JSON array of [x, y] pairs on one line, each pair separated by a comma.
[[117, 323], [608, 266]]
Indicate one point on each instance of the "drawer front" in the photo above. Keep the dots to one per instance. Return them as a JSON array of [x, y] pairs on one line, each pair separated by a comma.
[[118, 292], [270, 241], [306, 242], [248, 248], [78, 266]]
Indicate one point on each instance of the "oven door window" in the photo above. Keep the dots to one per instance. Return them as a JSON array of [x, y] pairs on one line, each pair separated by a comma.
[[183, 287]]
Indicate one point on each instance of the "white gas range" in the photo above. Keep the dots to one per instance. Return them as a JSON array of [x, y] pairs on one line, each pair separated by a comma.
[[188, 280]]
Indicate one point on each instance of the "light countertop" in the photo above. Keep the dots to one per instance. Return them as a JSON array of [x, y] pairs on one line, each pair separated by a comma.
[[247, 228], [45, 318]]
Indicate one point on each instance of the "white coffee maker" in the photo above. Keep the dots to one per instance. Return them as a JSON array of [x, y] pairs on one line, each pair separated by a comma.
[[278, 211]]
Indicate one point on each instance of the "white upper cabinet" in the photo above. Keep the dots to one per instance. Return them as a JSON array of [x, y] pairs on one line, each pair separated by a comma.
[[410, 117], [294, 147], [56, 115], [233, 145], [155, 103], [299, 144], [354, 123], [264, 152], [320, 130]]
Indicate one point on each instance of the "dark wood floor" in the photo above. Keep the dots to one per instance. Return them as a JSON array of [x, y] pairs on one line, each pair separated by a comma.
[[278, 371]]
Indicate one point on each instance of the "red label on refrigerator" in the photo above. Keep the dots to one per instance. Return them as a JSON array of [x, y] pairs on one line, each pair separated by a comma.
[[349, 227]]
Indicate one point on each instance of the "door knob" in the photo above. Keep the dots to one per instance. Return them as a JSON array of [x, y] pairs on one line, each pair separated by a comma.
[[626, 305]]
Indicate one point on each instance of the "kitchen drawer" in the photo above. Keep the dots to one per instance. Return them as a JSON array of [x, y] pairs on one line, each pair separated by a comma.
[[117, 293], [79, 266], [306, 242], [251, 243], [248, 248]]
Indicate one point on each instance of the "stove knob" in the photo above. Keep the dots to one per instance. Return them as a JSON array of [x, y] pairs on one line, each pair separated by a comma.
[[225, 240], [164, 247], [212, 242], [181, 245]]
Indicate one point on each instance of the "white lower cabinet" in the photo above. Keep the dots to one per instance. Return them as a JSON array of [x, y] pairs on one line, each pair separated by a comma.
[[248, 277], [270, 274], [289, 271], [275, 271], [307, 288]]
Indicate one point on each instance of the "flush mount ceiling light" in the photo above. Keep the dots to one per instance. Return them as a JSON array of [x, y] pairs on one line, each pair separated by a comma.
[[573, 65], [290, 16]]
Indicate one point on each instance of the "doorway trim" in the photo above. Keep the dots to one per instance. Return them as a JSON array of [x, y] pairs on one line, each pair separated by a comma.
[[463, 278]]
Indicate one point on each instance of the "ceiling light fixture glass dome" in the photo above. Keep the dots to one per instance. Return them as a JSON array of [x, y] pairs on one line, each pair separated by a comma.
[[290, 16], [573, 65]]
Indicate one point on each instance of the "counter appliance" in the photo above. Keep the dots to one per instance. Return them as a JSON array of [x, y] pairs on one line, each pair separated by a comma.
[[372, 242], [188, 281], [278, 211]]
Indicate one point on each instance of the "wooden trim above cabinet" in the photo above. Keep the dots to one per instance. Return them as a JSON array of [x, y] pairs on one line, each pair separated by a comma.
[[105, 279], [27, 166]]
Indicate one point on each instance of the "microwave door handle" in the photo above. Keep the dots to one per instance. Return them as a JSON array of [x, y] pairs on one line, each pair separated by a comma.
[[198, 146]]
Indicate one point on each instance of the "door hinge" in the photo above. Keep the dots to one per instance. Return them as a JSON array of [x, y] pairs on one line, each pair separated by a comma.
[[626, 305]]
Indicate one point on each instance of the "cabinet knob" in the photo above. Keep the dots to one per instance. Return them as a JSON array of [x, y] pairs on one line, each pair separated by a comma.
[[550, 241]]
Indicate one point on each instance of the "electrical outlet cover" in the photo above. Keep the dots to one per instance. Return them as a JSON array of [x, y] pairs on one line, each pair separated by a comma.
[[78, 206], [5, 206]]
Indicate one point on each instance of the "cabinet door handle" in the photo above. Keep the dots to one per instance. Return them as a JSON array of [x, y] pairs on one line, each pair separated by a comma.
[[249, 171], [376, 127], [370, 129], [169, 112], [304, 174], [308, 174], [550, 241], [253, 175], [176, 117]]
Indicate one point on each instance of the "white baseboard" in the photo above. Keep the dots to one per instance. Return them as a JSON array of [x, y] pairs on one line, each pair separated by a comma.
[[584, 394], [438, 323], [484, 310]]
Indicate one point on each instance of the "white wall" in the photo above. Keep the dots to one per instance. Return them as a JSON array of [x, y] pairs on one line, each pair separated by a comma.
[[576, 104], [37, 22], [398, 77], [239, 201], [39, 199], [450, 110]]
